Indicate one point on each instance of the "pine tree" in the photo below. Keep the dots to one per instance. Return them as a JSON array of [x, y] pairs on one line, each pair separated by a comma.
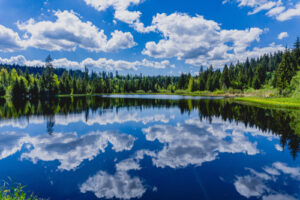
[[225, 81], [191, 84], [256, 83], [27, 75], [285, 72], [296, 52], [259, 77], [34, 90], [48, 81]]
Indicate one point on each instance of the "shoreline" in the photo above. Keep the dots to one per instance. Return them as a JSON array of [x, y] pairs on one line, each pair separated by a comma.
[[274, 102], [205, 94]]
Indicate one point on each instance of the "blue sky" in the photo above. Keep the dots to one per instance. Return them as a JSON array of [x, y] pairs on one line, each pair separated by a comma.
[[144, 36]]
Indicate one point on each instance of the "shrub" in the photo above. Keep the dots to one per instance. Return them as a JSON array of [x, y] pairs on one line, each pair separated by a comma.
[[14, 192]]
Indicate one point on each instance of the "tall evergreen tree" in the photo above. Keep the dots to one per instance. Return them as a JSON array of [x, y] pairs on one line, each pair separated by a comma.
[[285, 72], [296, 52], [225, 81], [48, 84]]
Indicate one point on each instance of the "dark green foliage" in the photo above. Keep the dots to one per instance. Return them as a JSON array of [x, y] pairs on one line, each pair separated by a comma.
[[48, 85], [252, 73], [225, 77], [2, 90], [296, 52], [34, 90], [19, 90], [256, 83], [285, 72], [259, 77], [183, 81]]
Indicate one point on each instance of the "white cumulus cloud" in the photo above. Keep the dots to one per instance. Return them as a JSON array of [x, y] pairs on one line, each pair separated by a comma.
[[289, 13], [9, 40], [282, 35], [281, 10], [69, 32], [199, 41], [122, 12], [95, 65]]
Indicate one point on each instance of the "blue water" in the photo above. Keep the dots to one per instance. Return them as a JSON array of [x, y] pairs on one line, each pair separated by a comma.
[[150, 149]]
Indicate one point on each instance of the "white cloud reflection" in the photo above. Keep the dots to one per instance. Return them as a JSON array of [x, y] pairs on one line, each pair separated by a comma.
[[258, 184], [68, 148], [119, 185], [10, 143], [196, 142], [94, 118]]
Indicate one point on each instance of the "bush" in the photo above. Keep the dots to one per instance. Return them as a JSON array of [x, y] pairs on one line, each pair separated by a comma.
[[234, 91], [140, 91], [14, 192], [180, 91], [219, 92]]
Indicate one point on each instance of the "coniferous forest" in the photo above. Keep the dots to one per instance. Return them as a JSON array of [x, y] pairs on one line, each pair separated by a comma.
[[277, 71]]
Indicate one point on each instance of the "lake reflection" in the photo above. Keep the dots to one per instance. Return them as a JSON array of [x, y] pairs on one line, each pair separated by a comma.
[[128, 147]]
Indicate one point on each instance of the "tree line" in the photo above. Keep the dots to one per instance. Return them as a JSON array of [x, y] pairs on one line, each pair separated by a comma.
[[276, 70]]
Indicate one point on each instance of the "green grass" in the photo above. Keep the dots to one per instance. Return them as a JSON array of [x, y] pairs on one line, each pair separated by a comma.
[[273, 102], [14, 192]]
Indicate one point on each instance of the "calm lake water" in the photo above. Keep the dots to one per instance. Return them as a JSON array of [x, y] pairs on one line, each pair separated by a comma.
[[150, 147]]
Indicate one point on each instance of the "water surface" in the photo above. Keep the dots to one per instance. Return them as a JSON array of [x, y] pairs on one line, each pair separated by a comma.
[[150, 147]]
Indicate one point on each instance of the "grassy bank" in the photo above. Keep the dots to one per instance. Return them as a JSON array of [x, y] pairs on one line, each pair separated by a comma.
[[272, 102]]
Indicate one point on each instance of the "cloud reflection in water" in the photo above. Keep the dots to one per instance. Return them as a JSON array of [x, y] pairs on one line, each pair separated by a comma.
[[258, 184]]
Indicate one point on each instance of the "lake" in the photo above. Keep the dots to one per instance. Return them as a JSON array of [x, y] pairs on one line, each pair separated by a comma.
[[150, 147]]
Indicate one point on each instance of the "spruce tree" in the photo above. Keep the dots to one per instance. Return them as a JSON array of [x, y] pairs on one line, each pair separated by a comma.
[[296, 52], [285, 72], [47, 82], [225, 81]]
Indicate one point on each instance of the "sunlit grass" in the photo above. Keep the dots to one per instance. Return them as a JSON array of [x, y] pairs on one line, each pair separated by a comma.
[[277, 102]]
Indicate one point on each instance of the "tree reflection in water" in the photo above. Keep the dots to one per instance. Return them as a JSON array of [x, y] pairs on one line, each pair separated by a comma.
[[284, 123]]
